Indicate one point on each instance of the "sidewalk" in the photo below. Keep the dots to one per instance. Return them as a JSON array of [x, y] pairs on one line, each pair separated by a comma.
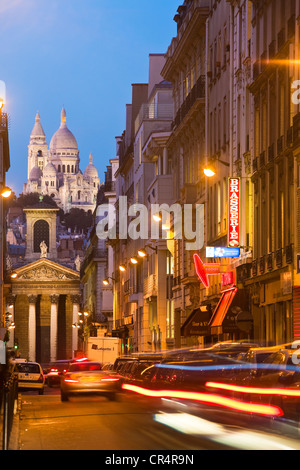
[[14, 436]]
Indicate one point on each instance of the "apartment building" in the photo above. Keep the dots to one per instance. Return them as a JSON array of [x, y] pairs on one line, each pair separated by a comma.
[[274, 276], [97, 268], [229, 76], [185, 68]]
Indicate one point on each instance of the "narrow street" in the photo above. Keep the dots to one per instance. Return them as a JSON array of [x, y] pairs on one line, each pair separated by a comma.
[[131, 424], [94, 423]]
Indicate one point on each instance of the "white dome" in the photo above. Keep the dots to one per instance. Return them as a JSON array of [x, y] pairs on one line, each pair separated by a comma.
[[35, 174], [63, 138], [91, 170], [49, 170]]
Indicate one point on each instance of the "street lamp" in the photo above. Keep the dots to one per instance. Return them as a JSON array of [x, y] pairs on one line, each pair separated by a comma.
[[122, 268], [6, 192], [142, 253], [106, 281], [133, 260], [210, 171]]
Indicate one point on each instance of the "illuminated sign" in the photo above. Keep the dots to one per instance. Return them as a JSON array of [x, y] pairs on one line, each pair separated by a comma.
[[234, 213], [227, 279], [222, 252], [204, 270]]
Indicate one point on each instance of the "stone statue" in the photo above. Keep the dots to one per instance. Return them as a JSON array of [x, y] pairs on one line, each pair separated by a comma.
[[77, 263], [44, 249]]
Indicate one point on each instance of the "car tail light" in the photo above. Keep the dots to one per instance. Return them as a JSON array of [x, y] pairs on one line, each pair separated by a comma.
[[110, 379], [41, 378], [70, 380]]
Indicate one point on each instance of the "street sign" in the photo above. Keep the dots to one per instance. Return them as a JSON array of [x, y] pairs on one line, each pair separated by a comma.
[[222, 252], [234, 213]]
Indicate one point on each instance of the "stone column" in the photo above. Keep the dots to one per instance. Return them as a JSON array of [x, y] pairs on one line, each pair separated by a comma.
[[53, 327], [165, 161], [32, 328], [76, 304], [10, 308]]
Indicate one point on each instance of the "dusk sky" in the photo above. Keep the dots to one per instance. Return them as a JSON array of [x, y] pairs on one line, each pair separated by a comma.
[[83, 54]]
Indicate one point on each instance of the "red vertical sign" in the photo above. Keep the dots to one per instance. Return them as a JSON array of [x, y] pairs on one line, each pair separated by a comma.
[[234, 213]]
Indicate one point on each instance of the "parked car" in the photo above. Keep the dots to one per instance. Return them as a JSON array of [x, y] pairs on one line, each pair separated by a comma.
[[275, 381], [108, 366], [88, 378], [187, 375], [30, 376], [56, 370]]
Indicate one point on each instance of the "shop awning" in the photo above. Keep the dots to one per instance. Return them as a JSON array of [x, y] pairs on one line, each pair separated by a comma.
[[232, 303], [197, 323], [221, 310]]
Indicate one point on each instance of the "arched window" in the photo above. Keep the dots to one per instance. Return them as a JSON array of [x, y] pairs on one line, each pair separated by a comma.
[[68, 169], [72, 168], [40, 233], [78, 195], [64, 168], [59, 169]]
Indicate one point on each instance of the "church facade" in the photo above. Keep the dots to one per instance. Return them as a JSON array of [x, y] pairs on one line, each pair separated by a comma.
[[54, 170], [44, 298]]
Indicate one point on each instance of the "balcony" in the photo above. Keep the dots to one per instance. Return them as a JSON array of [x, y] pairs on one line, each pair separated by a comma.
[[197, 93], [150, 286], [289, 254], [270, 261], [262, 265], [296, 129], [278, 258], [155, 112]]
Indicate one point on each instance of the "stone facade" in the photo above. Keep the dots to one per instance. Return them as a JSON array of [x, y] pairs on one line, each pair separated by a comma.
[[55, 170]]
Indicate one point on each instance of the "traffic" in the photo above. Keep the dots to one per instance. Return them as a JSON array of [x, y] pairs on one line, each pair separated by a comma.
[[237, 384]]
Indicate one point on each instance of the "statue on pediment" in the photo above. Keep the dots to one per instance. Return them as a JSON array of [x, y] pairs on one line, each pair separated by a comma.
[[44, 249]]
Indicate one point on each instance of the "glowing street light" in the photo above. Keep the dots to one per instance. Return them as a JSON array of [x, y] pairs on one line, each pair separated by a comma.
[[122, 268], [6, 192], [2, 94], [142, 253], [209, 172], [134, 260]]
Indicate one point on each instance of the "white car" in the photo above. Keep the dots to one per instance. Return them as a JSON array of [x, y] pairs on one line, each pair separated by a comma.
[[30, 376]]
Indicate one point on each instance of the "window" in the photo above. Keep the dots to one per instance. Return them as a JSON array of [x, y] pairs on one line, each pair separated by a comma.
[[40, 233]]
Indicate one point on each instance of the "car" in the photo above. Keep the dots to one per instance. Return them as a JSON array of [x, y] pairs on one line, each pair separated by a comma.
[[55, 371], [30, 376], [275, 381], [108, 366], [87, 377], [187, 375]]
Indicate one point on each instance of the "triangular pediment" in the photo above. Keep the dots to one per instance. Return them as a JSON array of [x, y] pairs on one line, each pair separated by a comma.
[[45, 270]]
